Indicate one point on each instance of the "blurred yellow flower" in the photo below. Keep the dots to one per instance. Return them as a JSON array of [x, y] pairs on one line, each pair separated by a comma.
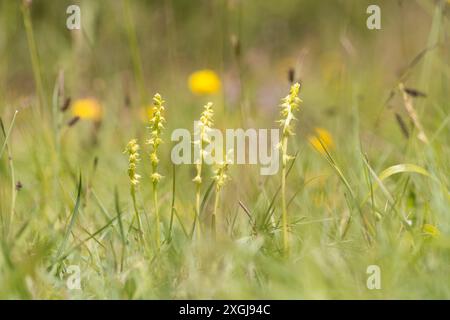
[[88, 108], [321, 137], [332, 66], [430, 230], [204, 82], [146, 113]]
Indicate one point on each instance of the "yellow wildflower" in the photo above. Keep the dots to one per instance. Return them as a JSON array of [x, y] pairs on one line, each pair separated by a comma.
[[88, 108], [146, 113], [204, 82], [430, 230], [321, 138]]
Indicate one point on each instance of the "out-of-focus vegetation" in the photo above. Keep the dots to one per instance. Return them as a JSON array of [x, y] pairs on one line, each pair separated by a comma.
[[368, 186]]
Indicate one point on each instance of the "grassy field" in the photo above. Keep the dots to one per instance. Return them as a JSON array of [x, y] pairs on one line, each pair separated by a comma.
[[367, 183]]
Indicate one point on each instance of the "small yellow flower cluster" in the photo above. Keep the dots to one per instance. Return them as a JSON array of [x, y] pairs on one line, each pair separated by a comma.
[[156, 127], [220, 175], [430, 230], [289, 104], [204, 82], [207, 115], [133, 152], [205, 124]]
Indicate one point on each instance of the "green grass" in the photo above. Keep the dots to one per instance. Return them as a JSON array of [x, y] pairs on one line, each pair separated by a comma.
[[375, 198]]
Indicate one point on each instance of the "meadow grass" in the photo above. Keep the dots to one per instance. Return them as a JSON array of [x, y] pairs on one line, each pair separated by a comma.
[[370, 189]]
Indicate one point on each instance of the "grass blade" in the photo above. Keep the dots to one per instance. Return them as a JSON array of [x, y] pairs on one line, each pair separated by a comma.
[[8, 133], [119, 216], [404, 167], [72, 220]]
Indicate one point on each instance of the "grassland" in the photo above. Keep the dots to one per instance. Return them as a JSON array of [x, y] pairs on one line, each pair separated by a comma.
[[378, 195]]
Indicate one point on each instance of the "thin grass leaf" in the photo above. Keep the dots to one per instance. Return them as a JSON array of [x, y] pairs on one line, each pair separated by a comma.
[[248, 213], [8, 133], [269, 212], [181, 223], [403, 167], [100, 205], [92, 237], [72, 220], [206, 197], [400, 168], [87, 239], [119, 216], [122, 232]]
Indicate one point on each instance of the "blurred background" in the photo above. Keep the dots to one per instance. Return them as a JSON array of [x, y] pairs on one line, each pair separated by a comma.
[[251, 45]]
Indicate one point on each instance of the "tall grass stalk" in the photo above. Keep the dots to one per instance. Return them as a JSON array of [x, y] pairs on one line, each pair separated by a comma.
[[34, 54], [13, 176], [7, 134], [58, 95], [134, 51]]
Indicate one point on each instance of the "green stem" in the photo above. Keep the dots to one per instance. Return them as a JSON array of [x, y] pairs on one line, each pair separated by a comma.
[[197, 209], [214, 215], [155, 201], [136, 212], [283, 197], [13, 177]]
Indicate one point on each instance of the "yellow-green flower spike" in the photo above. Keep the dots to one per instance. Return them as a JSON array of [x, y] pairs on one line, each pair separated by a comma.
[[133, 158], [132, 149], [201, 137], [205, 124], [289, 104], [156, 126], [221, 177]]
